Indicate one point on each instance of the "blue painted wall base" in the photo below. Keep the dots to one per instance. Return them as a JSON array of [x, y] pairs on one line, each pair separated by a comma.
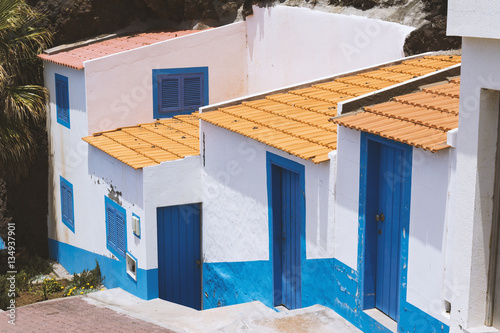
[[229, 283], [75, 260], [327, 282]]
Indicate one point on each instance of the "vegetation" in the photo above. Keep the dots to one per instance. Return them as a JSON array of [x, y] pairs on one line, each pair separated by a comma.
[[28, 269], [85, 282], [22, 96], [32, 283]]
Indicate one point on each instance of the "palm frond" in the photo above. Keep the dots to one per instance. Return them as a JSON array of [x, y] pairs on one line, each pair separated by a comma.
[[22, 98], [25, 103], [17, 147], [7, 11]]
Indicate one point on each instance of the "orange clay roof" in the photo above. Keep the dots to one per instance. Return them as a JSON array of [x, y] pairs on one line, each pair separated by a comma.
[[297, 122], [75, 57], [150, 144], [421, 119]]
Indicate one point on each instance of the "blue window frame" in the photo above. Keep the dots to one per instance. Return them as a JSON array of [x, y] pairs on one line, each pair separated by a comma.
[[62, 100], [179, 90], [116, 231], [67, 208]]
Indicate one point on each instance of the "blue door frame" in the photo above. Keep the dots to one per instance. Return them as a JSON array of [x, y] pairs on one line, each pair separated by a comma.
[[385, 188], [179, 254], [286, 199]]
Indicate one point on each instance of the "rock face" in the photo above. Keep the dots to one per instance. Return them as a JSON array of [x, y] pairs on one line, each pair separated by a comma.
[[80, 19], [432, 36]]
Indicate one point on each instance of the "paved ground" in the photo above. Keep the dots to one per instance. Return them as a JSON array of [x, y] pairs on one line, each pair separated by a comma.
[[73, 314], [117, 311]]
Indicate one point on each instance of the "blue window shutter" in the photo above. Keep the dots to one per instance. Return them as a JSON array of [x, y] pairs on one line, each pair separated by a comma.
[[193, 92], [170, 94], [116, 228], [62, 100], [120, 233], [67, 209], [180, 92], [111, 226]]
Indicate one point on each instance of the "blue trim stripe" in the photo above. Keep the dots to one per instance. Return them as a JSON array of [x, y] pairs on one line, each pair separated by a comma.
[[75, 260], [179, 74]]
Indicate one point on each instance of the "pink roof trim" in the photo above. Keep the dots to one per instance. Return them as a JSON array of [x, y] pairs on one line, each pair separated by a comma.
[[74, 58]]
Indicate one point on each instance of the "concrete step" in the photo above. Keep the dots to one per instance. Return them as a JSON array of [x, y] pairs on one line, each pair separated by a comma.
[[247, 317]]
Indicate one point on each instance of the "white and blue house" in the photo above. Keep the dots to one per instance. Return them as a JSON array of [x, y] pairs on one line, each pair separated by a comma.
[[187, 210]]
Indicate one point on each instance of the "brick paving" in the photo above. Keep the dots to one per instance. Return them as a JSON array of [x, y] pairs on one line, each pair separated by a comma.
[[73, 315]]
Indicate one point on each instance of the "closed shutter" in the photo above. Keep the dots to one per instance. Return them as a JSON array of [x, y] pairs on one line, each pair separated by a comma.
[[180, 92], [70, 206], [111, 226], [192, 91], [120, 233], [116, 228], [67, 203], [170, 94], [59, 99], [62, 100]]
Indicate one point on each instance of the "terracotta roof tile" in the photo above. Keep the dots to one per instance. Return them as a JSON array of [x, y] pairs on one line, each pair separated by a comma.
[[150, 144], [297, 122], [75, 57], [420, 119]]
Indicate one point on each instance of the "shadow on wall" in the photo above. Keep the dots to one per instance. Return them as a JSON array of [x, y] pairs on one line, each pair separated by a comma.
[[122, 181]]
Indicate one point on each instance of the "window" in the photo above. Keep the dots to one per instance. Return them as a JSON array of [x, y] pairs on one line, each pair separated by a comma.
[[115, 228], [178, 91], [62, 100], [67, 209]]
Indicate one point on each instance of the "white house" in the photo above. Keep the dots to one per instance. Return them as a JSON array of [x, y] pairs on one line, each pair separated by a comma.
[[130, 194], [289, 218], [475, 303]]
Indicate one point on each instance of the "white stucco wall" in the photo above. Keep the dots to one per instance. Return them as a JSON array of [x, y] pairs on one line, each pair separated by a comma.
[[288, 45], [67, 152], [119, 87], [472, 207], [347, 196], [478, 18], [106, 176], [428, 236], [235, 206], [92, 173], [95, 174], [168, 184]]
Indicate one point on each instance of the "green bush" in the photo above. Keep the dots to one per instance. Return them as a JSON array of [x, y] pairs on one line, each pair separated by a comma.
[[23, 281], [85, 282]]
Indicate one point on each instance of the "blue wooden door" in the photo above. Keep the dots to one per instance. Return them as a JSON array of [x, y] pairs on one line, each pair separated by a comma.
[[389, 229], [179, 254], [286, 237]]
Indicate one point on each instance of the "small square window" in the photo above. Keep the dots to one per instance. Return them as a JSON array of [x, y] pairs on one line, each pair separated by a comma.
[[62, 100], [177, 91], [67, 208], [116, 230]]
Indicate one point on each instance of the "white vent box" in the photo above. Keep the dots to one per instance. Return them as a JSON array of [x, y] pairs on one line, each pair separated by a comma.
[[136, 225]]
